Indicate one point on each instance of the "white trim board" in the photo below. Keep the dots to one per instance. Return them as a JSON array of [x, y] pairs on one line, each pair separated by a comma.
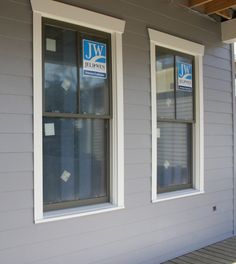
[[76, 15], [114, 26], [175, 43], [158, 38]]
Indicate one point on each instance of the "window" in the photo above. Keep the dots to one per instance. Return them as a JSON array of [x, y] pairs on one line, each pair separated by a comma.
[[177, 117], [78, 112]]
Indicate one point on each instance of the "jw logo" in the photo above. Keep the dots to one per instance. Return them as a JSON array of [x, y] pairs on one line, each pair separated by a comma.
[[94, 51], [185, 71], [184, 76]]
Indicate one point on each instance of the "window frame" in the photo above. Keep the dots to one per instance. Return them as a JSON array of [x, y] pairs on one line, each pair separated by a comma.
[[196, 50], [80, 17]]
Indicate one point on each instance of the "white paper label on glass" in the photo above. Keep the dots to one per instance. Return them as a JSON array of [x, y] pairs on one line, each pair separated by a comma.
[[51, 45], [65, 175], [49, 129]]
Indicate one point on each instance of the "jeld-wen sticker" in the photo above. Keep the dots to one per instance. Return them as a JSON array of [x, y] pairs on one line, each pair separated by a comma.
[[94, 59], [185, 76]]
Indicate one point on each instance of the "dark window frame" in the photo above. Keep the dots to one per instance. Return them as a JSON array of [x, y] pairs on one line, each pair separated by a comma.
[[161, 190], [105, 38]]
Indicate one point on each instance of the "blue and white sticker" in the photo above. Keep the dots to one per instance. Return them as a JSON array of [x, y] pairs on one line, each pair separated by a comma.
[[185, 76], [94, 59]]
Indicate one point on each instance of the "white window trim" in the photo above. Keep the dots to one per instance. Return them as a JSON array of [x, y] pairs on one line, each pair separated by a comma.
[[75, 15], [158, 38]]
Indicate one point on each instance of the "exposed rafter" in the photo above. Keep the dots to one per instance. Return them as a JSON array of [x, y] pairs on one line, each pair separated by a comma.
[[218, 5], [227, 13], [195, 3]]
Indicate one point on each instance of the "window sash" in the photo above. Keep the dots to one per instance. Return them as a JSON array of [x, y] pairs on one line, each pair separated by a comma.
[[174, 120], [96, 36], [187, 56]]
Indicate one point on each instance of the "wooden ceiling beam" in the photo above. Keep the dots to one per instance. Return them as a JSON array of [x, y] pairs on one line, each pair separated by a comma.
[[195, 3], [218, 5], [227, 13]]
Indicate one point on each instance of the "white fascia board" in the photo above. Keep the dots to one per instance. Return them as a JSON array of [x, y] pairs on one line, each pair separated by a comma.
[[175, 43], [76, 15], [228, 31]]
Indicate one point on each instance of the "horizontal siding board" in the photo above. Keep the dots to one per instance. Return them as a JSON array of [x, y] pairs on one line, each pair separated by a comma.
[[137, 142], [137, 170], [15, 123], [16, 181], [135, 55], [216, 73], [135, 156], [137, 112], [15, 30], [137, 126], [10, 201], [219, 173], [13, 220], [216, 84], [219, 152], [13, 104], [218, 118], [218, 96], [18, 48], [75, 242], [11, 66], [137, 83], [11, 162], [8, 10], [218, 107], [16, 143], [137, 97], [218, 141], [216, 129], [16, 85], [116, 248], [224, 64]]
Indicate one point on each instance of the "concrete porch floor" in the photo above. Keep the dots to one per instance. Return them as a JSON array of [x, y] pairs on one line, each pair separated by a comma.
[[221, 252]]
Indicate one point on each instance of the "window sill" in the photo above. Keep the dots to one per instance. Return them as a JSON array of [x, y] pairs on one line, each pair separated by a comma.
[[77, 212], [176, 195]]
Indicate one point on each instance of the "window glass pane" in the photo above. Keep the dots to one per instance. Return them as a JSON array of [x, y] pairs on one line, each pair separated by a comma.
[[184, 90], [174, 154], [74, 159], [94, 77], [165, 84], [60, 70]]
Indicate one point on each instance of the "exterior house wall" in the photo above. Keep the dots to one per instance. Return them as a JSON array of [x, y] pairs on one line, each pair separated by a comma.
[[142, 232]]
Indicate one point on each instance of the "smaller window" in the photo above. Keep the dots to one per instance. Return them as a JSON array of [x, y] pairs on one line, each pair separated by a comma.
[[177, 116]]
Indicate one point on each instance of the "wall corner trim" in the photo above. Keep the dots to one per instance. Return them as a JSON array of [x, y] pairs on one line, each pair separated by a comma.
[[228, 32]]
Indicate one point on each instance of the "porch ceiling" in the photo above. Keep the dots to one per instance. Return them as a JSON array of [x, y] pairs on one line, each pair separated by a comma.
[[220, 10]]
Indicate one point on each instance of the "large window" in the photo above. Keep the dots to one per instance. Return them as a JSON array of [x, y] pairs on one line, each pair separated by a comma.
[[76, 116], [177, 116], [78, 112]]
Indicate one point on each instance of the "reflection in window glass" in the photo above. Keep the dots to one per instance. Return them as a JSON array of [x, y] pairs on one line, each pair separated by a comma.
[[165, 84], [173, 155], [184, 90], [74, 159], [60, 70]]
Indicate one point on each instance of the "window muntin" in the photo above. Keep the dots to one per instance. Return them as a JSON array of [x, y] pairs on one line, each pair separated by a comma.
[[175, 119], [76, 120]]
